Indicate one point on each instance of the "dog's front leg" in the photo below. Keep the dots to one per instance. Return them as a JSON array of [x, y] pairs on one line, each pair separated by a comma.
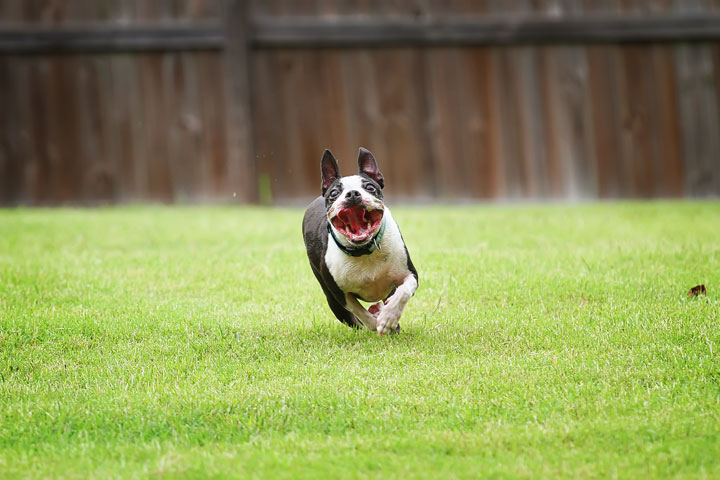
[[365, 317], [390, 314]]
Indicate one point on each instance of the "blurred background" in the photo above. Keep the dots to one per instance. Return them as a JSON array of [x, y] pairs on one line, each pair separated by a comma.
[[116, 101]]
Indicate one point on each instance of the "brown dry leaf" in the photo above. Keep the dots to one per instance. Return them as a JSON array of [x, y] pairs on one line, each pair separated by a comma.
[[697, 290]]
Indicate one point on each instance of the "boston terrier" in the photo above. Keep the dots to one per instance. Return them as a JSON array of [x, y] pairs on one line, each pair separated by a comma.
[[355, 248]]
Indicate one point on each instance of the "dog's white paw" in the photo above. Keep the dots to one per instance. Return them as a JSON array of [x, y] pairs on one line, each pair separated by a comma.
[[388, 318]]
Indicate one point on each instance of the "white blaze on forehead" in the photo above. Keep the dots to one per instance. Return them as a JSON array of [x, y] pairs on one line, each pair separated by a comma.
[[353, 182]]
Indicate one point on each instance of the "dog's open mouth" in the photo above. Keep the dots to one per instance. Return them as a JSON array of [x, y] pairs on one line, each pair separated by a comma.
[[356, 223]]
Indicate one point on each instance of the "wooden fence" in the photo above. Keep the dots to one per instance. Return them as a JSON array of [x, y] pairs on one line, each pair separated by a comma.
[[211, 100]]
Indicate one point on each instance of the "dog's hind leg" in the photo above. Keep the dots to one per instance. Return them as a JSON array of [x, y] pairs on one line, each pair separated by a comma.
[[365, 317], [342, 314]]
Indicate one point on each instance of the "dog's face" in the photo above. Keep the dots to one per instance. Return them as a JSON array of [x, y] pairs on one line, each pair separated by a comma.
[[354, 204]]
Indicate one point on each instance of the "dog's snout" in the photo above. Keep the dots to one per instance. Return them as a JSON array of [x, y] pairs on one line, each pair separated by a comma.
[[353, 195]]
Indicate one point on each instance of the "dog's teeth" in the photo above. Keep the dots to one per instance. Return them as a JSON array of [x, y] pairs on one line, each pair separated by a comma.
[[368, 227]]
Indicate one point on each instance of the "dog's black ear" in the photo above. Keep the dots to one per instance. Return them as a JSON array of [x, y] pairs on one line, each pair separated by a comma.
[[368, 166], [329, 169]]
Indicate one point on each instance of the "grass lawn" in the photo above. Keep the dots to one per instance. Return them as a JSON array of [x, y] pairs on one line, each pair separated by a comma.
[[544, 341]]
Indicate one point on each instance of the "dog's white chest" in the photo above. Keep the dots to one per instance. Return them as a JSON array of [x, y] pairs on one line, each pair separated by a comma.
[[370, 277]]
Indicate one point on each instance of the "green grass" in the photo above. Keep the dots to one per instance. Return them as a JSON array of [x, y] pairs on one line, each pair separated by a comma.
[[544, 341]]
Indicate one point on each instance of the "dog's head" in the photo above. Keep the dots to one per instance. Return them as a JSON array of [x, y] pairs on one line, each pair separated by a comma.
[[354, 203]]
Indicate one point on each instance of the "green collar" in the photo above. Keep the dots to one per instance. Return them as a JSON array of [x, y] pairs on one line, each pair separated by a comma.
[[366, 249]]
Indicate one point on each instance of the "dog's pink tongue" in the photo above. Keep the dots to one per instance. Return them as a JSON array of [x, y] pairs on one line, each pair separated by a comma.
[[355, 217]]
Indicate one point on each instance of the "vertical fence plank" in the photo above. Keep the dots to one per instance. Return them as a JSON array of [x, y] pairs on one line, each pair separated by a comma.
[[669, 156], [14, 135], [333, 113], [636, 119], [105, 113], [215, 136], [700, 119], [606, 99], [363, 102], [403, 112], [267, 119], [189, 129], [66, 161], [310, 120], [126, 117], [298, 111], [445, 78], [483, 126], [152, 129], [242, 175], [556, 173], [9, 181], [699, 111], [97, 175], [532, 127], [204, 167], [172, 81], [39, 176], [508, 96], [568, 98], [28, 147]]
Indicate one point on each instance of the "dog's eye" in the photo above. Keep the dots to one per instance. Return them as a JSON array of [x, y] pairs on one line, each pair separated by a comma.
[[334, 193], [370, 188]]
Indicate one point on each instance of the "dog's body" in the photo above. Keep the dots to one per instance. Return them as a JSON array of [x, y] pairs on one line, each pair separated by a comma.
[[355, 247]]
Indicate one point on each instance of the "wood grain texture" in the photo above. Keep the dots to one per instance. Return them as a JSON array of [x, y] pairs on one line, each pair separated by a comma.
[[606, 99], [236, 88], [700, 122], [541, 116]]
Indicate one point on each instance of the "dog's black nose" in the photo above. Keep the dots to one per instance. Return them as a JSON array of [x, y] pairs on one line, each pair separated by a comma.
[[353, 195]]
